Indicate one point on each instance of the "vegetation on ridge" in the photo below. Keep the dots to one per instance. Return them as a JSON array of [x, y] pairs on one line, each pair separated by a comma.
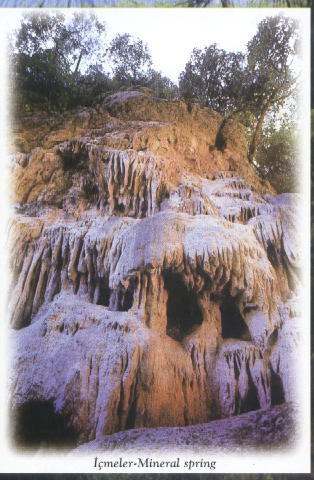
[[59, 64]]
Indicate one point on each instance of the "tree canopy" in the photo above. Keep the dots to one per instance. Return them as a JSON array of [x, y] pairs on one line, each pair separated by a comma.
[[131, 59], [47, 54], [60, 62], [270, 78], [277, 156], [253, 83], [214, 78]]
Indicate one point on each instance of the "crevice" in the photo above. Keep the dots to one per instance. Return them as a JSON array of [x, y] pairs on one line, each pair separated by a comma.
[[183, 312], [75, 157], [37, 425], [127, 300], [132, 413], [232, 322], [251, 401], [90, 189], [120, 208], [277, 392], [220, 142], [272, 254], [273, 338], [121, 299], [103, 293]]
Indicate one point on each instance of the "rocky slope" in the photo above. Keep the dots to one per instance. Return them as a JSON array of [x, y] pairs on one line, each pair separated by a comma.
[[147, 259], [259, 430]]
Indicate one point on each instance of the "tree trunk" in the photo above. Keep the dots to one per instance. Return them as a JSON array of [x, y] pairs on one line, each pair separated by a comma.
[[78, 62], [256, 135], [218, 141]]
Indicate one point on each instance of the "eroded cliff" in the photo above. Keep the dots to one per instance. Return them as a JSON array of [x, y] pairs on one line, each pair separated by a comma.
[[154, 275]]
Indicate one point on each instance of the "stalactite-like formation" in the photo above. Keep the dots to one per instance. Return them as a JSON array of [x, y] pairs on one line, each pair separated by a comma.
[[145, 263]]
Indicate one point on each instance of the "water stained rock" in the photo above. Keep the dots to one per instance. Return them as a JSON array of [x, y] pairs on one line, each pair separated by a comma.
[[138, 272]]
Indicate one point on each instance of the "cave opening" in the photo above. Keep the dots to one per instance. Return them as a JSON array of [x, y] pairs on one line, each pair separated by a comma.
[[273, 338], [272, 254], [104, 292], [183, 311], [251, 401], [120, 208], [232, 322], [277, 392], [74, 159], [126, 301], [121, 299], [37, 425], [90, 190]]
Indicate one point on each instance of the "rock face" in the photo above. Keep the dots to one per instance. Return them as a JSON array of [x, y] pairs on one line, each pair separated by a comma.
[[154, 275], [260, 430]]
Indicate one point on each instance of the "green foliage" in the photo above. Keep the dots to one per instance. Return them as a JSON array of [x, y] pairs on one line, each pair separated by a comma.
[[251, 84], [270, 53], [270, 79], [277, 156], [161, 85], [213, 77], [132, 66], [130, 58], [231, 82], [58, 64], [46, 57]]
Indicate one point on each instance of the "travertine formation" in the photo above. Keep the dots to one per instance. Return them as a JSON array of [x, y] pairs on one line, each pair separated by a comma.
[[256, 431], [154, 275]]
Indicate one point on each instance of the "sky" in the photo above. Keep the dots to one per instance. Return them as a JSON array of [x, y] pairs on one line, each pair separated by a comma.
[[171, 34]]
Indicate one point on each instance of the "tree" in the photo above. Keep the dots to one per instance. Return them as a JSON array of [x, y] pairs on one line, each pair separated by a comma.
[[130, 58], [47, 54], [213, 77], [270, 79], [83, 39], [91, 86], [277, 156], [58, 63], [161, 85], [253, 84]]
